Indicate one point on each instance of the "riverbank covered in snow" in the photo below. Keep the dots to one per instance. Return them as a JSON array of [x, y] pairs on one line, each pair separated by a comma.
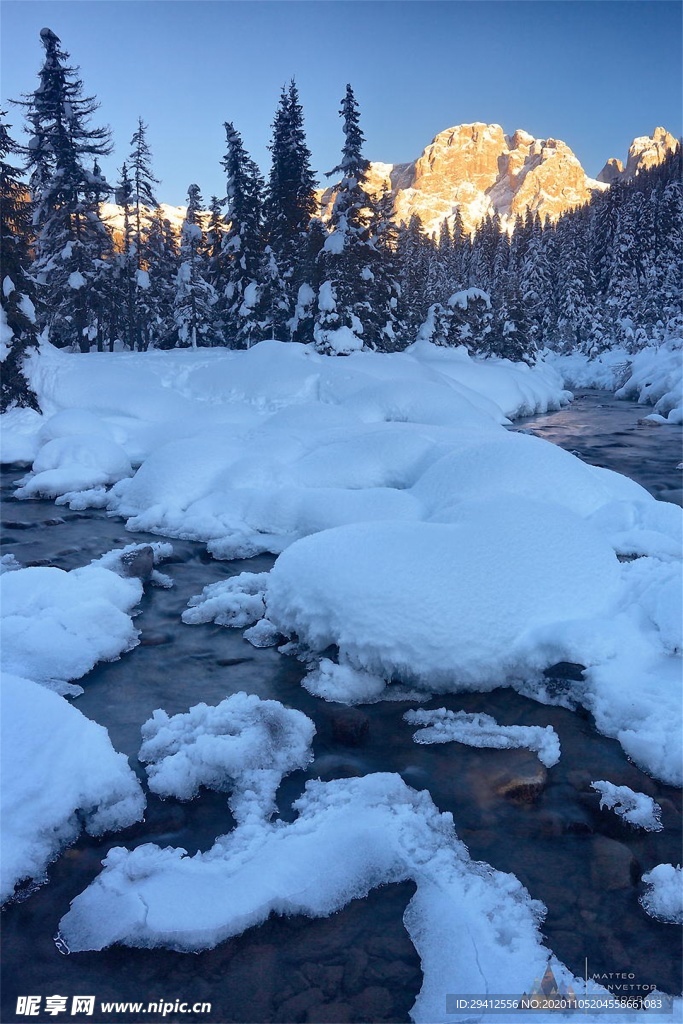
[[653, 376]]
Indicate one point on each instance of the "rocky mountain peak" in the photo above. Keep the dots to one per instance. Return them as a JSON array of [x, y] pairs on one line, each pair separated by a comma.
[[644, 152], [478, 169]]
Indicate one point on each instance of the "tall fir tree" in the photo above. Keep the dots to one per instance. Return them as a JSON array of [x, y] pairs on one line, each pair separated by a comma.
[[18, 325], [194, 295], [344, 296], [143, 200], [289, 206], [241, 299], [71, 241]]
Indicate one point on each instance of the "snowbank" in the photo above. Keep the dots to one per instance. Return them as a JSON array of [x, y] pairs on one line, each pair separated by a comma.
[[59, 772], [57, 625], [243, 746], [663, 898], [480, 730], [653, 376], [635, 808], [657, 379], [250, 450]]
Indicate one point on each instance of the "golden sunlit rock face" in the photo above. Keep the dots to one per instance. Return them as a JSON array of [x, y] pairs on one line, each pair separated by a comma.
[[481, 171], [644, 152]]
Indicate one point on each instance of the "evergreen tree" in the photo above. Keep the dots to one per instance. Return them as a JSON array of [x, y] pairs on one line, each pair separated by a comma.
[[71, 242], [242, 245], [18, 323], [347, 257], [289, 206], [142, 199], [163, 256], [194, 295]]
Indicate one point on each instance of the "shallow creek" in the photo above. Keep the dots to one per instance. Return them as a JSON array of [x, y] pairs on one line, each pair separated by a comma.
[[358, 965]]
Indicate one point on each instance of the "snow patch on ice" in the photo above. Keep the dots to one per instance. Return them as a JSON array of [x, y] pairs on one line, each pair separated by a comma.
[[635, 808], [481, 730]]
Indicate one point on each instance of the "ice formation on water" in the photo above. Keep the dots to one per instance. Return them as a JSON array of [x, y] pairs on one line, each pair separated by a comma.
[[243, 746], [480, 730], [663, 897], [475, 928], [635, 808]]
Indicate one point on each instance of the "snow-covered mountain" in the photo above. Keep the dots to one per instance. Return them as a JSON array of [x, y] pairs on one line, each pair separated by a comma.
[[644, 152], [481, 170]]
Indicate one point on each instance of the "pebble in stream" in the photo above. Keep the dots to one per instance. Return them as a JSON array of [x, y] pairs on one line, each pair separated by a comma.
[[359, 964]]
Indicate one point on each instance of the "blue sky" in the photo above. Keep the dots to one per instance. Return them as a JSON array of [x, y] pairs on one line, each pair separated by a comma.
[[595, 74]]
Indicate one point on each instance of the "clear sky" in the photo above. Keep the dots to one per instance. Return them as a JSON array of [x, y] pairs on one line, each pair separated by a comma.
[[595, 73]]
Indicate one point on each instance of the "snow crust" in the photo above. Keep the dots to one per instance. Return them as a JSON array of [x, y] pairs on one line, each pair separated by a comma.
[[663, 898], [635, 808], [243, 746], [481, 730], [59, 772]]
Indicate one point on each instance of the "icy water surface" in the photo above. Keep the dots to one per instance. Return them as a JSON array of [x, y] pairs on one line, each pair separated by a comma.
[[359, 964]]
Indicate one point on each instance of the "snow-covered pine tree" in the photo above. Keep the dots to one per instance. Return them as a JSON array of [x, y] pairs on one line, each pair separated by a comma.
[[242, 245], [71, 241], [162, 248], [143, 199], [305, 308], [412, 256], [347, 256], [382, 327], [194, 296], [289, 205], [18, 320]]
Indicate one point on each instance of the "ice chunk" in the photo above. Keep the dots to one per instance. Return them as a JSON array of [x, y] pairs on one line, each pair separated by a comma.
[[243, 746], [59, 771], [636, 808], [480, 730], [663, 898]]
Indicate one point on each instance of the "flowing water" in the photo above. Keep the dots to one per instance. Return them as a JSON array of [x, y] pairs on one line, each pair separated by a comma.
[[358, 965]]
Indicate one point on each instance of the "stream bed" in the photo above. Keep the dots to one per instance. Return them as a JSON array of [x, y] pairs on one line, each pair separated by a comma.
[[359, 964]]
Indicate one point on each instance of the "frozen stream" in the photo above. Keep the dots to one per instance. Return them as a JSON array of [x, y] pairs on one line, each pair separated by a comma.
[[358, 965]]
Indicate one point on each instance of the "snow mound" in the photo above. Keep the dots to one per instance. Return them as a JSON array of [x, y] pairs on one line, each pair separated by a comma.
[[59, 771], [57, 625], [445, 604], [475, 928], [238, 601], [75, 462], [635, 808], [664, 896], [480, 730], [516, 464], [243, 746]]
